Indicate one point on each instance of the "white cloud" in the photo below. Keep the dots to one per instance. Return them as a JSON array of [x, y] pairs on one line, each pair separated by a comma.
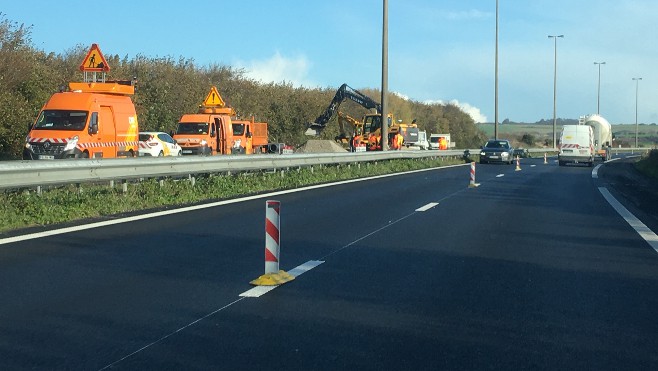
[[278, 68], [472, 111]]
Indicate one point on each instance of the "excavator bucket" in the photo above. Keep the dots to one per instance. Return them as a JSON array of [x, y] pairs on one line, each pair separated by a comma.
[[313, 129]]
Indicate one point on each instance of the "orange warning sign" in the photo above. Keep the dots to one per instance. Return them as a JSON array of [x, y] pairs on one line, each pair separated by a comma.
[[94, 61], [214, 99]]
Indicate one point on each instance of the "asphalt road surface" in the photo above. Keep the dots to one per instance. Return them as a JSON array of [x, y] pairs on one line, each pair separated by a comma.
[[533, 269]]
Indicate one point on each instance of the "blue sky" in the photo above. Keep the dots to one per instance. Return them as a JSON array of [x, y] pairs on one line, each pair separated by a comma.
[[438, 50]]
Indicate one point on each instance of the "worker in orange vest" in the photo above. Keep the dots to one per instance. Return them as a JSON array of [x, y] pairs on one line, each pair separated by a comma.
[[394, 142], [357, 141], [372, 142], [400, 140]]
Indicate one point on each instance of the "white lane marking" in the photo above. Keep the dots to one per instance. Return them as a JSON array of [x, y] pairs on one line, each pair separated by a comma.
[[612, 159], [427, 207], [634, 156], [533, 165], [78, 228], [644, 231], [170, 334], [259, 291], [595, 171], [500, 175]]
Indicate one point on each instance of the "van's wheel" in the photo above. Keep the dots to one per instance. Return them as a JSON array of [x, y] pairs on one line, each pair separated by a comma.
[[85, 154], [180, 153], [160, 154]]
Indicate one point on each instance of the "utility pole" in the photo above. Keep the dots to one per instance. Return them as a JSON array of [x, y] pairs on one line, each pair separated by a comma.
[[384, 131]]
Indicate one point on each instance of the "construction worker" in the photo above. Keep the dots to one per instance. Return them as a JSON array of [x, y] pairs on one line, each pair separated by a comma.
[[357, 141], [394, 142], [400, 140], [443, 143], [372, 142]]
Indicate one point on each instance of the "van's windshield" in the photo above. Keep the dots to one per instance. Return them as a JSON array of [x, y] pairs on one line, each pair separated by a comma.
[[61, 120], [192, 128]]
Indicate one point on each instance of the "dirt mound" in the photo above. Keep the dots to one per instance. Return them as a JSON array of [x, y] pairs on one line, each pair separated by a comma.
[[320, 146]]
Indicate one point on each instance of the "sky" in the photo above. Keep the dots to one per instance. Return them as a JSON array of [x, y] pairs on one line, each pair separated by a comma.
[[438, 51]]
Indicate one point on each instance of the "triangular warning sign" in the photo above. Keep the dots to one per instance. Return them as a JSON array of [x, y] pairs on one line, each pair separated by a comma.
[[94, 61], [214, 99]]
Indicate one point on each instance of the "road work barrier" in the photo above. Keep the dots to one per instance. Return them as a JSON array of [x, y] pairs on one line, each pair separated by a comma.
[[273, 276], [472, 184]]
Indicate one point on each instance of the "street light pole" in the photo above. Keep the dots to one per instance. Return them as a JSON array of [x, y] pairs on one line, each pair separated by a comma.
[[598, 90], [637, 83], [384, 113], [555, 37], [496, 80]]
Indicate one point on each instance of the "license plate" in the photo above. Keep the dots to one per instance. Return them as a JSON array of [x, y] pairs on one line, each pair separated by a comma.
[[46, 157], [493, 156], [187, 151]]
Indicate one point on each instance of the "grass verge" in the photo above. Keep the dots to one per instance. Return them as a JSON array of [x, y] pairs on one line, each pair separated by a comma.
[[649, 164], [22, 209]]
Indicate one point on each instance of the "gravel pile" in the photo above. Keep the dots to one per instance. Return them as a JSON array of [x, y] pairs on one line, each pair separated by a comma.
[[320, 146]]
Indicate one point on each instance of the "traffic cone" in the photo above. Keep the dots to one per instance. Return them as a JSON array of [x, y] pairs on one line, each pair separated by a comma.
[[518, 164]]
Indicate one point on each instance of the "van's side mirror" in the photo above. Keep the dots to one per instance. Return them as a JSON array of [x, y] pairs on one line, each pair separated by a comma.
[[93, 123], [29, 127]]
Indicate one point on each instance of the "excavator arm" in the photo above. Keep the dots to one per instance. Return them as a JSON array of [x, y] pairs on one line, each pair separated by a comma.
[[344, 92]]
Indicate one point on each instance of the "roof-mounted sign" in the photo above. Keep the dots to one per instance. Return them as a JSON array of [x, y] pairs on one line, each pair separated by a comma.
[[214, 99], [94, 61]]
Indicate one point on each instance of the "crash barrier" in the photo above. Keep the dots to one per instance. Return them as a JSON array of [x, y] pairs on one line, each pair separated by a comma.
[[273, 275], [32, 174]]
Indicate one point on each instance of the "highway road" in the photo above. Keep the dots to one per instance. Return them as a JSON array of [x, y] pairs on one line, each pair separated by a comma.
[[533, 269]]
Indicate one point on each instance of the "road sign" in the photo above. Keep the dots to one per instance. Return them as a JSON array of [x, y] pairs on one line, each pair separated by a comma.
[[214, 99], [94, 61]]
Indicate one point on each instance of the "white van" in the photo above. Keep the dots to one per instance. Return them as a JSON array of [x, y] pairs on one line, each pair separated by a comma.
[[576, 145]]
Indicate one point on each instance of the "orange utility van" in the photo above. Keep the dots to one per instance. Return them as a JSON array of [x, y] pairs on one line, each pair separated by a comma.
[[214, 130], [94, 119]]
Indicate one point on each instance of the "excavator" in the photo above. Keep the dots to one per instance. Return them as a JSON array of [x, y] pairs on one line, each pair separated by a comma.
[[371, 122]]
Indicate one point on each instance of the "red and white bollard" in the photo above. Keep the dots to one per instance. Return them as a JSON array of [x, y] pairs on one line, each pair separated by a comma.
[[518, 164], [472, 184], [272, 234], [545, 159], [273, 276]]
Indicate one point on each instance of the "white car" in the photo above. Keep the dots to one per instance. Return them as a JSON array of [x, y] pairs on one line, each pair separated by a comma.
[[157, 144]]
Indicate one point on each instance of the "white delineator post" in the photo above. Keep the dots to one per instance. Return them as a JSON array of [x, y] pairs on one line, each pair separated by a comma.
[[545, 159], [272, 236]]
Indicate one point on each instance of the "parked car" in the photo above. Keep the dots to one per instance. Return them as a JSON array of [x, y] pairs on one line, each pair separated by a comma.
[[498, 150], [156, 144], [521, 152]]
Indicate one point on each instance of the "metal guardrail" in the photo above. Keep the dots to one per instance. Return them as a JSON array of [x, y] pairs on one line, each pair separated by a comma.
[[25, 174], [30, 174]]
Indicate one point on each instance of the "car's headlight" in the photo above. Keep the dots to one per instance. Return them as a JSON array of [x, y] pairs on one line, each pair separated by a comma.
[[203, 142], [71, 143], [505, 154], [482, 153]]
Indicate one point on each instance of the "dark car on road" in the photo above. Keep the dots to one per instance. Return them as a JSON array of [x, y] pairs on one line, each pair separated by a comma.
[[498, 150], [521, 152]]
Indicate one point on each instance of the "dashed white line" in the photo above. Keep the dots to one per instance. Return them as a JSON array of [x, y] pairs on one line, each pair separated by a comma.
[[500, 175], [427, 207], [644, 231], [259, 291]]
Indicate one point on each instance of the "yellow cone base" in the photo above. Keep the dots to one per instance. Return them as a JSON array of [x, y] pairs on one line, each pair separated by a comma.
[[473, 185], [273, 279], [518, 168]]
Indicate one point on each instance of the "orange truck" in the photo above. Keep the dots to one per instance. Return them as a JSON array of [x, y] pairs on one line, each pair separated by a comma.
[[215, 130], [94, 119]]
